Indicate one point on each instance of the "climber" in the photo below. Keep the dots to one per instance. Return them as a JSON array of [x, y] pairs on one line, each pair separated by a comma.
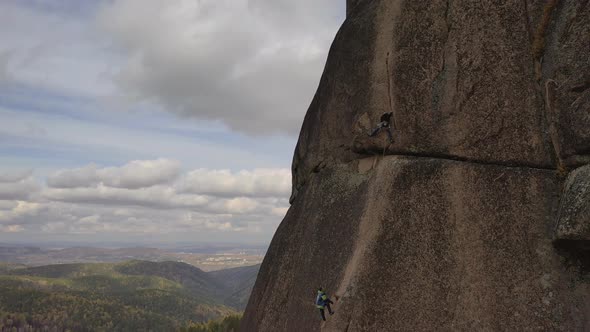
[[385, 123], [322, 301]]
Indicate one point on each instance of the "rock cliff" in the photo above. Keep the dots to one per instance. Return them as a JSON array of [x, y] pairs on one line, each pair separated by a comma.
[[477, 216]]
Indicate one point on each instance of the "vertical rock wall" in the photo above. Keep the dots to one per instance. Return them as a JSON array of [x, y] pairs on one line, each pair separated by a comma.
[[350, 4], [475, 217]]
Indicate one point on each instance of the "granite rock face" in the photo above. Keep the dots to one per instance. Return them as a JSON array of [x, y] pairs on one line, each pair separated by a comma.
[[574, 213], [566, 73], [475, 218]]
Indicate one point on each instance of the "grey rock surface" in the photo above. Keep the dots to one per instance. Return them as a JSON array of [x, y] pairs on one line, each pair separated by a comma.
[[457, 225], [574, 212]]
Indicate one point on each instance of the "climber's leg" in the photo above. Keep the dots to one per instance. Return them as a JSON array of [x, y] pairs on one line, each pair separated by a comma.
[[329, 309], [322, 314], [389, 134]]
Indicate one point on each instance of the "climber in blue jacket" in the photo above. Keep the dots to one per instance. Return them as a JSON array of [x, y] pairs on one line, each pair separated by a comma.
[[322, 301]]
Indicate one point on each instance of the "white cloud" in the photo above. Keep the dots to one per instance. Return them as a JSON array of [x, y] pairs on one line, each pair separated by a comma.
[[133, 175], [72, 178], [19, 209], [11, 229], [77, 218], [101, 217], [192, 219], [240, 205], [21, 189], [15, 175], [90, 219], [252, 64], [141, 173], [153, 197], [256, 183], [26, 208], [7, 205], [259, 192]]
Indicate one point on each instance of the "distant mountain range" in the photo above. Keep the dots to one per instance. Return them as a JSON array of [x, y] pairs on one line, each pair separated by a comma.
[[129, 296], [206, 257]]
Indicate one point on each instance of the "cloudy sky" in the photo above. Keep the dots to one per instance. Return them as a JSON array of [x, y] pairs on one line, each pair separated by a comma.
[[154, 120]]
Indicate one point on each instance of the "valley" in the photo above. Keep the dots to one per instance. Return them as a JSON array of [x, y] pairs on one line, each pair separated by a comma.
[[133, 295]]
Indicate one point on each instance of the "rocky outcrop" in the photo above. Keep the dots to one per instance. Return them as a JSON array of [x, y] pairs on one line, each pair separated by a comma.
[[573, 222], [466, 221], [566, 78], [572, 232]]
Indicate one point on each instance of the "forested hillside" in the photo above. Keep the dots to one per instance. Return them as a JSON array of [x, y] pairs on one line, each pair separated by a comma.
[[239, 281], [129, 296]]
